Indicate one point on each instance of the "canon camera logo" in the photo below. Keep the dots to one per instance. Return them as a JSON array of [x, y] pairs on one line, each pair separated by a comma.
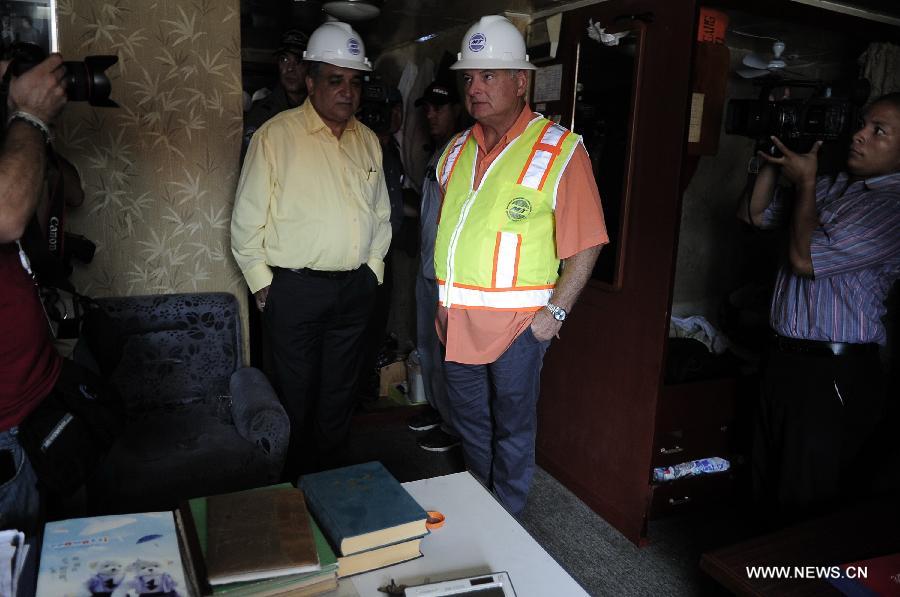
[[53, 235], [353, 46], [477, 43]]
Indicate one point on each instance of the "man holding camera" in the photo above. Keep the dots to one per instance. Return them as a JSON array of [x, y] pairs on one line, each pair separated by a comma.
[[309, 231], [519, 201], [823, 389], [29, 365]]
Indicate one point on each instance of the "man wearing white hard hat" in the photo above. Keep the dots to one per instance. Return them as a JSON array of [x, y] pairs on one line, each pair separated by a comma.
[[519, 200], [309, 231]]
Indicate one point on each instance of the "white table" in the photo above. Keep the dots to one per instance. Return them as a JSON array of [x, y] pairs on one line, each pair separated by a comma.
[[478, 537]]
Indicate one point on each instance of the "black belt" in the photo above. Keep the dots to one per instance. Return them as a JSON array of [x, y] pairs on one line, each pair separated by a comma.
[[822, 348], [318, 273]]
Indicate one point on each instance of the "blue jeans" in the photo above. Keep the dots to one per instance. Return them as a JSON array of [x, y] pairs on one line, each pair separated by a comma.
[[431, 354], [19, 498], [494, 409]]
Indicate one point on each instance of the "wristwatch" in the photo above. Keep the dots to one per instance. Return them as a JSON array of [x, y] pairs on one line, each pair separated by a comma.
[[559, 314]]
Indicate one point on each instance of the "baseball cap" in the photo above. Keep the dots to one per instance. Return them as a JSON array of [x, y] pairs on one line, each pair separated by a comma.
[[293, 41], [438, 94]]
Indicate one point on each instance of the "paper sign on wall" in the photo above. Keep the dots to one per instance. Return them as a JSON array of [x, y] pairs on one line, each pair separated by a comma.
[[548, 83]]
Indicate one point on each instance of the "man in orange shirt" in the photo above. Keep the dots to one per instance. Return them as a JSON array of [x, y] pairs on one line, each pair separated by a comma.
[[519, 198]]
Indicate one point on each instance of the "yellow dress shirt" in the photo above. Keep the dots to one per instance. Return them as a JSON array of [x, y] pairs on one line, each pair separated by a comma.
[[309, 199]]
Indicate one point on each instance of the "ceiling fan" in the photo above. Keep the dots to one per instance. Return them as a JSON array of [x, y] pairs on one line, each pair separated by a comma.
[[761, 66]]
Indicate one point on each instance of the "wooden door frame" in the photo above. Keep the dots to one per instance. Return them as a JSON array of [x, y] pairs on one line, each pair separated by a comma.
[[601, 380]]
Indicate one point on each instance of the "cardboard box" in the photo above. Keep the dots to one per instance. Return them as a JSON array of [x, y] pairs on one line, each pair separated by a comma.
[[390, 376]]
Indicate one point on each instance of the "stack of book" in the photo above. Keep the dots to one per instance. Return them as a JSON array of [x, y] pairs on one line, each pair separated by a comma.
[[368, 518], [251, 543], [258, 542]]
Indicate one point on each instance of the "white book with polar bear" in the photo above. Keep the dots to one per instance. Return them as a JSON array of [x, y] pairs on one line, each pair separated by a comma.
[[124, 555]]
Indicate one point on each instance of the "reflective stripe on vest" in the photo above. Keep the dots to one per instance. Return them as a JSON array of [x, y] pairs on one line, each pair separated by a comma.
[[544, 152], [516, 267], [444, 172], [519, 299], [506, 260]]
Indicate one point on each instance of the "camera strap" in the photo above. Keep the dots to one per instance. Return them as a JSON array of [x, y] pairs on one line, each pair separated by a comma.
[[26, 265], [57, 213]]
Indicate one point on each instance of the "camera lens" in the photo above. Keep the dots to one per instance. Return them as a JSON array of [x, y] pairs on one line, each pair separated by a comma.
[[87, 81]]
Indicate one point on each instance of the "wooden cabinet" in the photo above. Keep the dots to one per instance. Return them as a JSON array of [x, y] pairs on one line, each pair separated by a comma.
[[678, 496], [694, 420], [602, 384]]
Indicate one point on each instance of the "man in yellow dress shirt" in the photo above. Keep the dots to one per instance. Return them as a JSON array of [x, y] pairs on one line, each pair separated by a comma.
[[309, 231]]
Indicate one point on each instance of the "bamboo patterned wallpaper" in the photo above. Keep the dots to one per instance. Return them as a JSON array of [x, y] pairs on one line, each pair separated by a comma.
[[160, 171]]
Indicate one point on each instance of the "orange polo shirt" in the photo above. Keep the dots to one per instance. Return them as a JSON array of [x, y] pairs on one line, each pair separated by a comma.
[[475, 336]]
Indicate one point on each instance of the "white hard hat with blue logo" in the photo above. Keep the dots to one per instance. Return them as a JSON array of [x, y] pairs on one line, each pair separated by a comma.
[[338, 44], [493, 42]]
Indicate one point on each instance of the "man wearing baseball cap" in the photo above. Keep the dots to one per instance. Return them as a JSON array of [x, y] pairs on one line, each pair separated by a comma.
[[442, 111], [439, 93], [309, 231], [290, 91], [520, 201]]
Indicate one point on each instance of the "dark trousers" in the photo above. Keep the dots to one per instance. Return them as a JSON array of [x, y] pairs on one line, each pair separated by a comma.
[[375, 334], [816, 415], [315, 326], [431, 351], [494, 409]]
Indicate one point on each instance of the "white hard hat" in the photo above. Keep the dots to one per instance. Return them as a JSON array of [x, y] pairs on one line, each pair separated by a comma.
[[493, 42], [338, 44]]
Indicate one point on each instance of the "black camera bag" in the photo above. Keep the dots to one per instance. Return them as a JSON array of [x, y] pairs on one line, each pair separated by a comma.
[[71, 430]]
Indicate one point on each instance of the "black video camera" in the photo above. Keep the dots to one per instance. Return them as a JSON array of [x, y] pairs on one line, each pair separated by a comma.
[[825, 115], [376, 105], [85, 81]]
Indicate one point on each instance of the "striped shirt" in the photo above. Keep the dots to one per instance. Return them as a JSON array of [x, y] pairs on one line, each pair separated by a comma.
[[855, 256]]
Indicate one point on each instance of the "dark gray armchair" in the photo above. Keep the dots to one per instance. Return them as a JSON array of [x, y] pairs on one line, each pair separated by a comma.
[[197, 422]]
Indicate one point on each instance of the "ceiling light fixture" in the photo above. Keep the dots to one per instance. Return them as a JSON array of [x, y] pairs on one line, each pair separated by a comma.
[[353, 10]]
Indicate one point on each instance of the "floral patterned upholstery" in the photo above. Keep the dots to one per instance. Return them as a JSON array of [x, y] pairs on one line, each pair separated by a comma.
[[198, 423]]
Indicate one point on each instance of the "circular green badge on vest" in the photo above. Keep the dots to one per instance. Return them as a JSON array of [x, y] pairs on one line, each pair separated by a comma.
[[518, 209]]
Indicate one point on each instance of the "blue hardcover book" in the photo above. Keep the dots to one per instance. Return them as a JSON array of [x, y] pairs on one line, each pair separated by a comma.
[[362, 507]]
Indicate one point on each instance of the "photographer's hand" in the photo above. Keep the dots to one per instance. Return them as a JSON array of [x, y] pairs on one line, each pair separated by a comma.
[[41, 94], [40, 91], [800, 168]]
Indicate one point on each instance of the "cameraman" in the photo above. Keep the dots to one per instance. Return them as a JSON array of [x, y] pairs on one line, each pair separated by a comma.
[[823, 389], [29, 365]]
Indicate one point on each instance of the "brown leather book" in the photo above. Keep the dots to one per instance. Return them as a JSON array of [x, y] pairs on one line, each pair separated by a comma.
[[257, 534]]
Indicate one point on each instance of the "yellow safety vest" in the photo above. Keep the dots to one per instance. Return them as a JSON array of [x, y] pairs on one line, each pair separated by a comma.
[[496, 246]]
